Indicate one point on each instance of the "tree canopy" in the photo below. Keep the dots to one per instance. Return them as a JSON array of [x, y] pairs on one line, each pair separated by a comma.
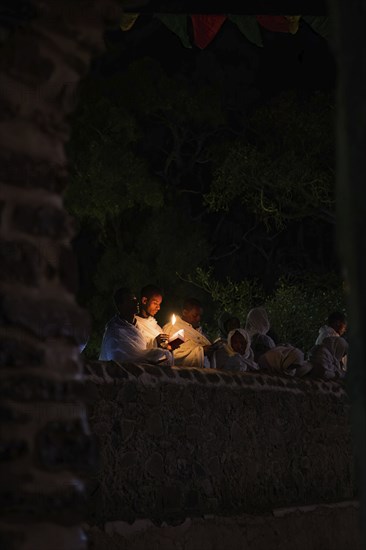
[[165, 182]]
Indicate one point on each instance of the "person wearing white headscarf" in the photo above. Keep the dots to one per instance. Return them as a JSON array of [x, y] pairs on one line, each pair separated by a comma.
[[237, 354], [257, 323], [336, 326], [327, 358], [284, 359]]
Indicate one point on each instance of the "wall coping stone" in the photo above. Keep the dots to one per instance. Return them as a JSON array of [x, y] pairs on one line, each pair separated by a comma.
[[111, 372]]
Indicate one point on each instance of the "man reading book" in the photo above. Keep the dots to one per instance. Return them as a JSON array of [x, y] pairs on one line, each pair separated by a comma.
[[150, 301], [122, 341], [196, 347]]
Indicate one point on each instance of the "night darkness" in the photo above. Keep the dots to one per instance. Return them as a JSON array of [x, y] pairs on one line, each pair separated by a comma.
[[270, 98], [221, 406]]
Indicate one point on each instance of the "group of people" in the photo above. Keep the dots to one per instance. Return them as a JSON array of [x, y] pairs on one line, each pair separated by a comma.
[[134, 335]]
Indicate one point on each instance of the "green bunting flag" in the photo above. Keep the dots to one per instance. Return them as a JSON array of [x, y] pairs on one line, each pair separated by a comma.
[[248, 26], [176, 24], [320, 24]]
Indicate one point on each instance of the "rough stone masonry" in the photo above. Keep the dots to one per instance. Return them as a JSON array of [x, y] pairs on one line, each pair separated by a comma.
[[196, 443]]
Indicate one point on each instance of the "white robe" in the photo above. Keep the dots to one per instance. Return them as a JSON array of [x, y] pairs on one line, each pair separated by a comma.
[[190, 353], [257, 321], [324, 332], [122, 341], [228, 359], [149, 329], [285, 360], [330, 357]]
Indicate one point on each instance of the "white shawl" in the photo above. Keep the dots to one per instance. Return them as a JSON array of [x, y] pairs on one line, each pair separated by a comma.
[[149, 329], [190, 353], [228, 359], [124, 342], [257, 321]]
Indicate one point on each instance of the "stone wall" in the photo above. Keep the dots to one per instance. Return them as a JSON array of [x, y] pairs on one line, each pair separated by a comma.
[[178, 443], [311, 528], [45, 447]]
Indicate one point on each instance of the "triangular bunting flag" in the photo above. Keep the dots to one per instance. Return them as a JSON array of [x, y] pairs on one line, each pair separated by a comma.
[[320, 24], [176, 24], [248, 26], [128, 20], [205, 28], [294, 22], [274, 23]]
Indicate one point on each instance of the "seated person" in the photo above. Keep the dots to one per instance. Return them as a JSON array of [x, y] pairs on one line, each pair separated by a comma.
[[260, 344], [327, 358], [284, 359], [237, 354], [122, 341], [150, 301], [258, 323], [336, 326], [226, 322], [196, 347]]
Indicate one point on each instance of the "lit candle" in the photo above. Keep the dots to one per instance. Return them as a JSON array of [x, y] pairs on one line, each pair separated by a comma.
[[179, 333], [173, 323]]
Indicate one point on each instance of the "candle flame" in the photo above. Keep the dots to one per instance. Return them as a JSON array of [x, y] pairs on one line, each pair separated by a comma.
[[173, 319]]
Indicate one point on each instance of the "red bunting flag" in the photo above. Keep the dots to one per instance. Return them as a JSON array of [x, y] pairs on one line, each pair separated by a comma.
[[275, 23], [205, 28]]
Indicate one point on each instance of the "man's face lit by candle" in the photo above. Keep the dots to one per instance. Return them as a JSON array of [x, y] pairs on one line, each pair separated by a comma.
[[151, 305], [192, 316]]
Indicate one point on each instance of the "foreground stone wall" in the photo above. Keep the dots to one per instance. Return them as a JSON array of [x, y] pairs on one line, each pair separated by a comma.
[[312, 528], [45, 447], [178, 443]]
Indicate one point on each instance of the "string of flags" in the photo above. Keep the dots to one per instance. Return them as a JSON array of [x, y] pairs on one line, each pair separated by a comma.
[[206, 27]]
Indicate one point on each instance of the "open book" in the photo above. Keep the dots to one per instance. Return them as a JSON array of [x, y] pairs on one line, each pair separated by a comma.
[[176, 339]]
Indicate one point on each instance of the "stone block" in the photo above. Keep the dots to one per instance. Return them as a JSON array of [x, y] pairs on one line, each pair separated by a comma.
[[154, 466], [115, 371], [9, 413], [15, 351], [44, 220], [187, 400], [214, 466], [127, 429], [44, 318], [128, 393], [193, 432], [21, 262], [24, 172], [151, 396], [27, 387], [154, 425], [65, 445], [171, 497], [184, 373], [11, 539], [153, 370], [12, 449], [62, 506], [133, 369], [128, 460]]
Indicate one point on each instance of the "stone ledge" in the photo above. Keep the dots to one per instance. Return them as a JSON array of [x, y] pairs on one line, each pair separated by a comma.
[[110, 372], [331, 527]]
